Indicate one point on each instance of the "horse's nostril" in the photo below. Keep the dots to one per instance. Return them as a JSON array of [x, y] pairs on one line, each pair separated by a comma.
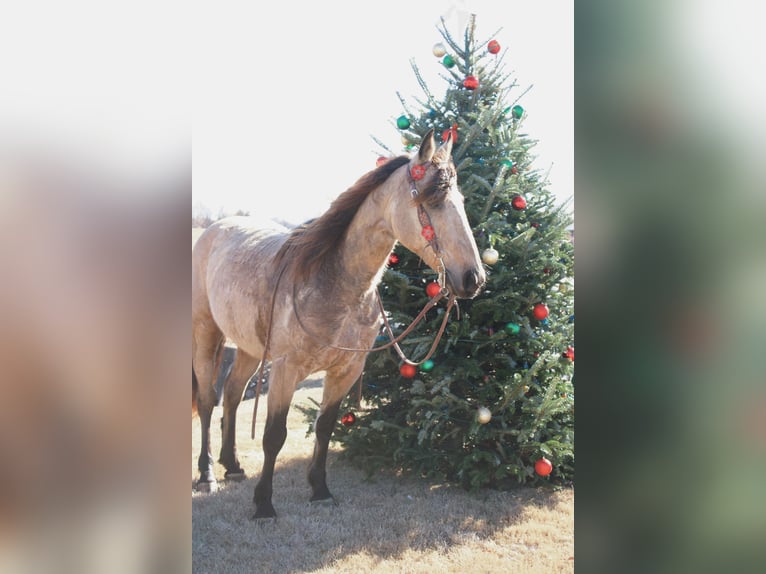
[[470, 280]]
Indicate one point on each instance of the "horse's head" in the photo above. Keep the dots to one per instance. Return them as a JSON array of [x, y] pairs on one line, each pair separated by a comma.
[[430, 219]]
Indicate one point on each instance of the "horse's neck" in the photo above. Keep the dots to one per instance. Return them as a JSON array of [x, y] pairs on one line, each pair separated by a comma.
[[367, 245]]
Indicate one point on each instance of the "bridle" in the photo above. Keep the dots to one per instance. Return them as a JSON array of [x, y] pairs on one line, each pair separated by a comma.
[[415, 173]]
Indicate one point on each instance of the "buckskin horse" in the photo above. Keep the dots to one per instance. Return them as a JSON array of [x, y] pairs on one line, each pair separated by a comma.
[[306, 299]]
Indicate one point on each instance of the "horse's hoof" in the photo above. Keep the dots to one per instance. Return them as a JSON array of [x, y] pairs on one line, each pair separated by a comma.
[[235, 476], [261, 513], [206, 486], [329, 501]]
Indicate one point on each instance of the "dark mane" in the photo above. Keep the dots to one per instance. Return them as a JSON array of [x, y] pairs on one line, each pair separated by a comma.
[[310, 246]]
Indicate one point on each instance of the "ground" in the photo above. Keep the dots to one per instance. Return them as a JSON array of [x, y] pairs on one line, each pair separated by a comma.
[[388, 524]]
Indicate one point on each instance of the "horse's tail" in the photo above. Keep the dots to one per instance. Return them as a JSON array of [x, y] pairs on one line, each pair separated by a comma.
[[195, 390]]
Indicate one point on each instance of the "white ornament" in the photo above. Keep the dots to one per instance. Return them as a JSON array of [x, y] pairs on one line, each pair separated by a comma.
[[439, 50], [490, 256], [484, 415]]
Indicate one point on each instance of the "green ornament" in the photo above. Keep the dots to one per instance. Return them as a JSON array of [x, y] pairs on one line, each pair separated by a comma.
[[506, 110], [427, 365], [507, 163], [410, 147], [513, 328], [448, 61], [518, 111], [402, 122]]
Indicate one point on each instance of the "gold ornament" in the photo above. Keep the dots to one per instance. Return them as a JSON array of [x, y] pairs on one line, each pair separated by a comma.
[[439, 50], [490, 256], [484, 415]]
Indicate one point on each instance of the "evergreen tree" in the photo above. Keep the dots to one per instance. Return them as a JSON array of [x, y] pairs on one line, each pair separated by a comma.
[[498, 395]]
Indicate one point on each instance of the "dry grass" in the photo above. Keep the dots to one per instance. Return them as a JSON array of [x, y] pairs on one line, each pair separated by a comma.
[[391, 524]]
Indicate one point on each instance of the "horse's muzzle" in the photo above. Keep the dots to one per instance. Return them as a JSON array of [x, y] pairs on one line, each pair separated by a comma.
[[469, 284]]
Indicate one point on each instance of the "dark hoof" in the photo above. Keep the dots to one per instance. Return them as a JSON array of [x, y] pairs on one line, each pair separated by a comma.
[[236, 476], [328, 501], [264, 512], [206, 486]]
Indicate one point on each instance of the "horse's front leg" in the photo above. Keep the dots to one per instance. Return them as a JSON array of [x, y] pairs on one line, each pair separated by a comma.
[[282, 383], [336, 386]]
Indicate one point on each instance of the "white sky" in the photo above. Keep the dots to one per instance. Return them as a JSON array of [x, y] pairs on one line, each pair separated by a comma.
[[279, 98], [287, 96]]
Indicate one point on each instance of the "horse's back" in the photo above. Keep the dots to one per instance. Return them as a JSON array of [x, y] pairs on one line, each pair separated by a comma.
[[231, 264]]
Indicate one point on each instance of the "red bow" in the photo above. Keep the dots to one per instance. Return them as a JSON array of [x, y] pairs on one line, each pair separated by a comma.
[[417, 172]]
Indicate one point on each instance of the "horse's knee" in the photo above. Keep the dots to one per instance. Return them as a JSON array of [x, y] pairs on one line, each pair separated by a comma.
[[274, 437]]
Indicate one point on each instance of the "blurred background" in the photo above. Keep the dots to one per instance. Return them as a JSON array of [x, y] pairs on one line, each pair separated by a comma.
[[95, 183], [671, 405]]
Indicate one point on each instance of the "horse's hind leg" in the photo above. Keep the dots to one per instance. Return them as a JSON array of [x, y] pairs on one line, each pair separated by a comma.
[[243, 369], [206, 343], [336, 386]]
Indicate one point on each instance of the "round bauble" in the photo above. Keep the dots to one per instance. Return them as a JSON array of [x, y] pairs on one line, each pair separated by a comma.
[[483, 415], [348, 419], [407, 371], [471, 83], [513, 328], [427, 365], [493, 47], [518, 203], [433, 289], [439, 50], [402, 122], [448, 61], [517, 111], [490, 256], [543, 467], [540, 311], [380, 161]]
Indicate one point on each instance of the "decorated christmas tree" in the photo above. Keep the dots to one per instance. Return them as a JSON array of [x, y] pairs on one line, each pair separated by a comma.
[[494, 406]]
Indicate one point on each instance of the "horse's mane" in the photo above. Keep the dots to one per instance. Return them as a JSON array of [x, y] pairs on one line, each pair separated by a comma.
[[312, 245]]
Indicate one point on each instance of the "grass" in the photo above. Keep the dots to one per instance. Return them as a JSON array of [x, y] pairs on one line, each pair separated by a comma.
[[392, 524]]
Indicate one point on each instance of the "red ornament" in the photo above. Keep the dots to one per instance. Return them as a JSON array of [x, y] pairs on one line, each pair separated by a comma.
[[380, 161], [543, 467], [407, 371], [540, 311], [471, 83], [518, 203], [569, 354], [417, 172], [535, 225], [393, 259], [493, 47], [514, 170], [446, 133], [433, 289], [348, 419], [428, 232]]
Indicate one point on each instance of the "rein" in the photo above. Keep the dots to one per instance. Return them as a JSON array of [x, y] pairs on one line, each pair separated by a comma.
[[429, 234]]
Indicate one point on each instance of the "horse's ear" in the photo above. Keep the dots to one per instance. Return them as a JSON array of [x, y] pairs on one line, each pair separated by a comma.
[[445, 150], [427, 147]]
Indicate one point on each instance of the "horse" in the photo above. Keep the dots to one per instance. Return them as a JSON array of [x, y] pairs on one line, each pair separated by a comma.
[[307, 298]]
